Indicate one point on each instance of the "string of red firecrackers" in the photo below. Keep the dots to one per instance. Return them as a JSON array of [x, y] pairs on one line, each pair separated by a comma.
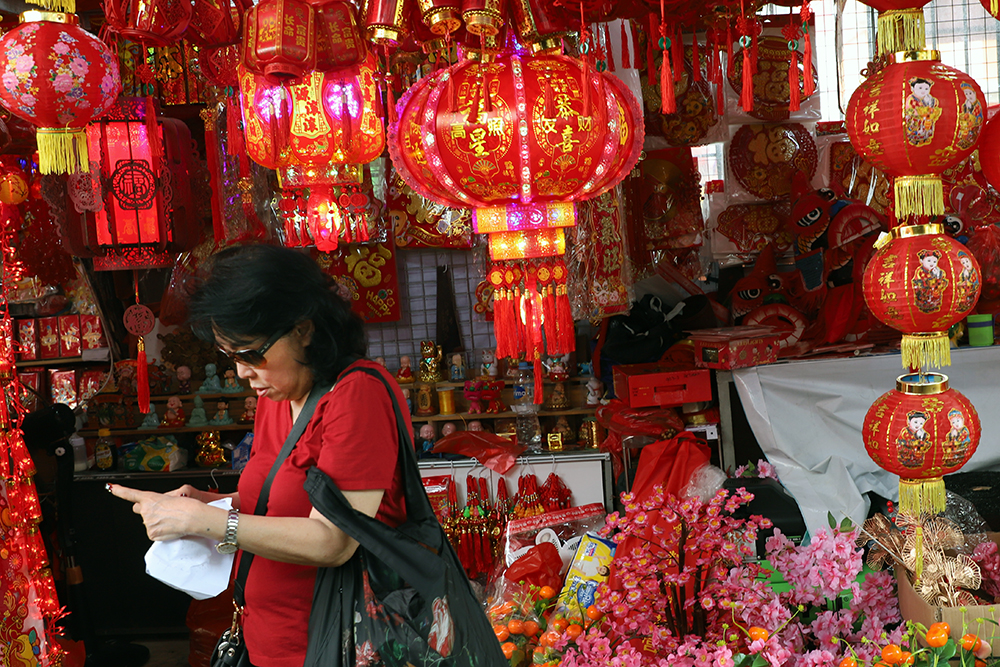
[[17, 471]]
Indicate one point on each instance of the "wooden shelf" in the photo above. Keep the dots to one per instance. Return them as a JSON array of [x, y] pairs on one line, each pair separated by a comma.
[[204, 397], [92, 432], [576, 379], [60, 361], [469, 416]]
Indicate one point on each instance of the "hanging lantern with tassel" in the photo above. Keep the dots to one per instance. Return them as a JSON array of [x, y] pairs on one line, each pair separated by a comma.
[[148, 22], [921, 281], [900, 25], [913, 119], [921, 431], [140, 321], [57, 77]]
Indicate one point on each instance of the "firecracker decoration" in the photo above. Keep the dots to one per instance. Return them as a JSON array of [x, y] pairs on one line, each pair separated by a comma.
[[921, 430], [58, 77], [900, 25], [942, 112], [921, 282], [31, 608]]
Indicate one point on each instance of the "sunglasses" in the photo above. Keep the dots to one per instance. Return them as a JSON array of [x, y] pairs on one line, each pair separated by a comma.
[[254, 358]]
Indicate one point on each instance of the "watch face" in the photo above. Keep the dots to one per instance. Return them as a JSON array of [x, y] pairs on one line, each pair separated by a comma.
[[225, 547]]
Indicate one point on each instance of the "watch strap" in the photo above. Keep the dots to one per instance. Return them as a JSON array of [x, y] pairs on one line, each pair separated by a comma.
[[298, 428], [232, 525]]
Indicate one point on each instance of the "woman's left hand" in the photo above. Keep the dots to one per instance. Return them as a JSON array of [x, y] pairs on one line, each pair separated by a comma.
[[165, 517]]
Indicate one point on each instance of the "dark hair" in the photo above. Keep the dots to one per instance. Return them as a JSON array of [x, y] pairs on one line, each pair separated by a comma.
[[258, 291]]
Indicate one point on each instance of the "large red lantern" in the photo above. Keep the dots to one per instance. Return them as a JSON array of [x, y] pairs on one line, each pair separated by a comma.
[[921, 281], [148, 22], [920, 431], [989, 152], [338, 40], [279, 39], [900, 24], [913, 119], [58, 77]]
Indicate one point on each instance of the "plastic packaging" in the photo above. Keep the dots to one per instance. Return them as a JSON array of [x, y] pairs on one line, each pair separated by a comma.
[[705, 483], [80, 462], [529, 430]]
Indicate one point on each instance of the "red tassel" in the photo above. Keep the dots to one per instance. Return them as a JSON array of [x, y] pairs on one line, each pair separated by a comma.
[[142, 378], [473, 116], [539, 373], [348, 125], [793, 82], [668, 102], [695, 59], [153, 135], [214, 171], [654, 30], [608, 51], [636, 60], [729, 48], [585, 84], [549, 99], [755, 41], [626, 61], [549, 320], [520, 311], [808, 86], [677, 53], [746, 95]]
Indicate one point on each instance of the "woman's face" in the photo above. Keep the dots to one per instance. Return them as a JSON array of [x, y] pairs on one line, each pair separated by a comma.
[[285, 375]]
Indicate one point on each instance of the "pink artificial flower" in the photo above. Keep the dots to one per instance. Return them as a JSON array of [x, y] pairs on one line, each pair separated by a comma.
[[817, 658], [766, 471]]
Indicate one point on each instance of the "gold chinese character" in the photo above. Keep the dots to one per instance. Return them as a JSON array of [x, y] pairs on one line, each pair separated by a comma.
[[457, 131], [871, 108], [584, 123], [548, 125], [885, 279], [568, 140], [477, 141], [563, 109], [870, 127], [495, 126]]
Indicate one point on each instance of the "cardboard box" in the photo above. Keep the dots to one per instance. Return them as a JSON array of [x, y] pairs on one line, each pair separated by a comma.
[[62, 386], [661, 385], [735, 347], [48, 337], [69, 336], [27, 339], [92, 333]]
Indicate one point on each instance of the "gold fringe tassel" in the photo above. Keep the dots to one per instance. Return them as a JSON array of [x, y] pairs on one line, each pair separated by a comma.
[[919, 555], [921, 496], [932, 350], [994, 8], [67, 6], [901, 30], [62, 151], [919, 195]]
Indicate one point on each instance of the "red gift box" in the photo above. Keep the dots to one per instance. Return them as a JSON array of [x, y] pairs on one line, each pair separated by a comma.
[[27, 339], [91, 382], [729, 348], [62, 386], [69, 336], [35, 380], [48, 337], [92, 333], [662, 385]]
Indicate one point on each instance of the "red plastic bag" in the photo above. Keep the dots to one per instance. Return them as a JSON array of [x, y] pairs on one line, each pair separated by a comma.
[[493, 451], [621, 420], [539, 567]]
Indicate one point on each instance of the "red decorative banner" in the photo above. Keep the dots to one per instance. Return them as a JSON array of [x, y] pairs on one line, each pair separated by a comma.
[[419, 223], [366, 276]]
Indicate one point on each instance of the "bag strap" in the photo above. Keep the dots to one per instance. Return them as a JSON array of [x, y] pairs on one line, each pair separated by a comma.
[[298, 428]]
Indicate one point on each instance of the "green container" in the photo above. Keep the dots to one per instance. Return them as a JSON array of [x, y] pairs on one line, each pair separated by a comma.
[[980, 330]]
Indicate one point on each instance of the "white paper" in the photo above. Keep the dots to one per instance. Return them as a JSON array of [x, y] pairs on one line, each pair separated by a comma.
[[192, 564]]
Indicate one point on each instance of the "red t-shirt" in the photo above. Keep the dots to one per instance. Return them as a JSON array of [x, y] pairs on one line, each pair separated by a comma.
[[351, 437]]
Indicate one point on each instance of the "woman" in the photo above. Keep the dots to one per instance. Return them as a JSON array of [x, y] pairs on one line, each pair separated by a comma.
[[272, 311]]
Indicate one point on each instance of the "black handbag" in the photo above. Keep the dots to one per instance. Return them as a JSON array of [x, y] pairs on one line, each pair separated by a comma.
[[403, 597], [230, 651]]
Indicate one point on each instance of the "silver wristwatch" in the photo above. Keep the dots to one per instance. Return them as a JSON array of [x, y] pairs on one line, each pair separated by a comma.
[[228, 544]]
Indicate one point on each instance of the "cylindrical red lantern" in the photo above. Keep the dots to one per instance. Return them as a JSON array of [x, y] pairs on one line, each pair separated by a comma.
[[989, 152], [386, 21], [900, 24], [539, 29], [921, 281], [338, 41], [540, 130], [920, 431], [58, 77], [483, 17], [216, 23], [148, 22], [279, 39], [441, 16], [913, 119]]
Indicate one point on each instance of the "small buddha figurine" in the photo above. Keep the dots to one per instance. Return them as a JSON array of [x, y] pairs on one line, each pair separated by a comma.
[[405, 374], [221, 417], [184, 379], [380, 361], [174, 416], [211, 385], [409, 401], [150, 420], [198, 416], [249, 410], [475, 425], [456, 372], [447, 429], [231, 385], [425, 440], [595, 391]]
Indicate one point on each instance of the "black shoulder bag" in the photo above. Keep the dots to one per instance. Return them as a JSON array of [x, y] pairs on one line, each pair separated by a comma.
[[230, 651], [403, 597]]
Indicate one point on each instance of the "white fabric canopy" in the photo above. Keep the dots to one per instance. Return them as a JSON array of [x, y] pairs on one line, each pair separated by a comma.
[[807, 417]]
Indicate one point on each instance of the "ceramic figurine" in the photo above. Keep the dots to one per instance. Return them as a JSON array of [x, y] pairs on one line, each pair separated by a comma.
[[409, 401], [150, 420], [475, 425], [491, 394], [584, 368], [198, 416], [211, 385], [184, 379], [231, 385], [558, 400], [430, 361], [404, 375], [221, 417], [595, 391], [174, 416], [425, 439], [559, 369], [425, 400], [380, 361], [457, 368], [249, 410], [562, 426], [210, 454], [447, 429], [488, 369], [474, 395]]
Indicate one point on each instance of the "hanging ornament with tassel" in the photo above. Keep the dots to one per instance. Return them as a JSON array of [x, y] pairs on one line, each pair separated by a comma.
[[139, 321], [791, 33]]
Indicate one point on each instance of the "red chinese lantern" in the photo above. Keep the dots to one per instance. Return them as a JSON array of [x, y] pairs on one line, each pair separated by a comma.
[[900, 24], [992, 6], [483, 17], [541, 30], [338, 41], [279, 39], [913, 119], [148, 22], [387, 21], [216, 23], [921, 281], [989, 152], [13, 182], [58, 77], [441, 16], [920, 431]]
